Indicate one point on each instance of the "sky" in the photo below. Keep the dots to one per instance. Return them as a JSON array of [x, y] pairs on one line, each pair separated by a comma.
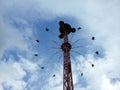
[[24, 21]]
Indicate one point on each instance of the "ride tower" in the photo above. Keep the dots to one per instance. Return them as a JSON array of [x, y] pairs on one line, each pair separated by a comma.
[[65, 29]]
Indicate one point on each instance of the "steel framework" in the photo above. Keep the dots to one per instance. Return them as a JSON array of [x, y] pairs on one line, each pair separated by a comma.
[[66, 29]]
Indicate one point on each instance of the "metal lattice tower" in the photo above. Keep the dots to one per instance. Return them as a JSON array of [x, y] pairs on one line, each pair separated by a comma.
[[66, 29]]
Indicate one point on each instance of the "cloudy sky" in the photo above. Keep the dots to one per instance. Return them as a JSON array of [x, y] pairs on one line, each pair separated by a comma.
[[24, 21]]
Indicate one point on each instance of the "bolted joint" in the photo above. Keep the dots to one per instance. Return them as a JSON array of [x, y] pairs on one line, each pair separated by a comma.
[[66, 47]]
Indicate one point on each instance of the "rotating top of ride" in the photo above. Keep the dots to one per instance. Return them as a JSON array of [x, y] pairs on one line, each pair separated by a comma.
[[65, 29]]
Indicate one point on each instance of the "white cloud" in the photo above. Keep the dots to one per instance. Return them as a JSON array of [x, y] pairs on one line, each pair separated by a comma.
[[54, 83], [11, 75], [10, 37], [99, 17]]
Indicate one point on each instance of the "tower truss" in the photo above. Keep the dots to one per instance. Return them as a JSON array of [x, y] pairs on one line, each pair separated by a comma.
[[66, 29]]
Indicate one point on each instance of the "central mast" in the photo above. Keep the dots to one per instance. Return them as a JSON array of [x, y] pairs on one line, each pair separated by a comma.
[[66, 29]]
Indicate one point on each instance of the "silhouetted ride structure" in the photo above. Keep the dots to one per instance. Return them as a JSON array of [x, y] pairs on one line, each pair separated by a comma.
[[65, 29]]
